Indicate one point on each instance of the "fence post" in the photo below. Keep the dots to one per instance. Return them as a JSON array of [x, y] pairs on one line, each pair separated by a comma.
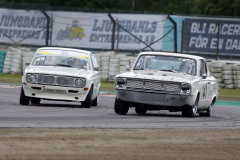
[[113, 30], [182, 36], [218, 36], [48, 26], [175, 32]]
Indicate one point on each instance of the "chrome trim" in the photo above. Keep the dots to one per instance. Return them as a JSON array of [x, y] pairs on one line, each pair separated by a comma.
[[152, 85], [55, 80]]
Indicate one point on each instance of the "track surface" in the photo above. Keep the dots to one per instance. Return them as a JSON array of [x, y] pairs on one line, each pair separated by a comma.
[[52, 114]]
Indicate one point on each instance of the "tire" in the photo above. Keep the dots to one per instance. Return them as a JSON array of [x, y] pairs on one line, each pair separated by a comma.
[[217, 75], [95, 101], [217, 64], [120, 107], [24, 100], [227, 76], [191, 111], [35, 100], [88, 101], [228, 81], [140, 110], [207, 112], [216, 70], [227, 67]]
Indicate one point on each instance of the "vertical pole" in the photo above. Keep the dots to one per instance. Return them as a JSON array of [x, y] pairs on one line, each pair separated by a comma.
[[113, 30], [118, 29], [218, 36], [48, 26], [133, 4], [182, 36], [188, 36], [175, 32]]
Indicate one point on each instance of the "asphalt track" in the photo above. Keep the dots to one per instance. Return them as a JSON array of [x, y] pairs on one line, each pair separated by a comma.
[[53, 114]]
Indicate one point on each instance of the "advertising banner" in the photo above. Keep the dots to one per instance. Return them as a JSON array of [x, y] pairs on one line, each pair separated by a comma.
[[202, 35], [94, 30], [22, 27], [148, 28]]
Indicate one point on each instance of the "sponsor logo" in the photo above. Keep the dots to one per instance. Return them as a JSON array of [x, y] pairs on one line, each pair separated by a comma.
[[71, 32]]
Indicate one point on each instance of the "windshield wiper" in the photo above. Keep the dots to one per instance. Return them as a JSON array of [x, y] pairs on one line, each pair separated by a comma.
[[168, 70], [63, 65]]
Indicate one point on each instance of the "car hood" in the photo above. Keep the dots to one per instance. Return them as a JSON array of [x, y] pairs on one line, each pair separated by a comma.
[[159, 75], [57, 70]]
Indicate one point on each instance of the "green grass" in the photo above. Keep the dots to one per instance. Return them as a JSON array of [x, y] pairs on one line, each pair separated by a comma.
[[17, 78], [11, 78], [107, 84], [234, 93]]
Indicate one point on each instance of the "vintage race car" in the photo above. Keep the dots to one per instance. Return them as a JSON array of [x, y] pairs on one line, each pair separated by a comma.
[[61, 74], [166, 81]]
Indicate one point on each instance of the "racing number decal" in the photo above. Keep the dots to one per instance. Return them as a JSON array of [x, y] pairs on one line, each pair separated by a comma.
[[204, 91]]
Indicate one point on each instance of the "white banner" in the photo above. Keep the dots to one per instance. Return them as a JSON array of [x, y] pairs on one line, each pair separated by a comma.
[[22, 27], [94, 30], [81, 29], [74, 29]]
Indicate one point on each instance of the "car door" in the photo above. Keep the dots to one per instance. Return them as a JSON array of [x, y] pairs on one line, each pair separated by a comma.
[[96, 76], [204, 85]]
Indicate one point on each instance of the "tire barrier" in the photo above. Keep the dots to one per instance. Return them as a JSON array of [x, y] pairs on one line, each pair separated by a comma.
[[114, 68], [236, 76], [8, 60], [2, 59], [228, 76], [27, 58], [216, 70]]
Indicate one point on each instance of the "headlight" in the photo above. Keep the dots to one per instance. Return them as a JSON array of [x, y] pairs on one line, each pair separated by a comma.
[[120, 83], [79, 82], [31, 78], [186, 88]]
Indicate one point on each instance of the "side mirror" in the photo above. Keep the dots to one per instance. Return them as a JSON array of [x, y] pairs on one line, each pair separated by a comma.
[[128, 67], [27, 63], [96, 68], [204, 76]]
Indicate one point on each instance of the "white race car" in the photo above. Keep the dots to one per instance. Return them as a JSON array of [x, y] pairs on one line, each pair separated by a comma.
[[167, 81], [61, 74]]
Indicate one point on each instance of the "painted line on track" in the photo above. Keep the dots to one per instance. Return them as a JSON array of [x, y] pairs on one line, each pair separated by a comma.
[[107, 93]]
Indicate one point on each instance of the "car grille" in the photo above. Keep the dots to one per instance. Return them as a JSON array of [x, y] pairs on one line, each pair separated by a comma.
[[153, 85], [55, 80]]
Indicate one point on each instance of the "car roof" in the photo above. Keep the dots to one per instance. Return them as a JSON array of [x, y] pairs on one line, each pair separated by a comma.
[[172, 54], [68, 49]]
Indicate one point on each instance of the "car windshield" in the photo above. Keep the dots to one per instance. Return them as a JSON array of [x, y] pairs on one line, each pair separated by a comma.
[[67, 60], [166, 63]]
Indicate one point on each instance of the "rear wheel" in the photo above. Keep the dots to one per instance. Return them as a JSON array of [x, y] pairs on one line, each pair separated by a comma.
[[88, 102], [24, 100], [121, 107], [191, 111], [35, 100], [140, 110]]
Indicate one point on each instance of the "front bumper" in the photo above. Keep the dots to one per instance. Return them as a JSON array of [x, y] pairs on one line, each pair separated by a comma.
[[55, 92], [160, 99]]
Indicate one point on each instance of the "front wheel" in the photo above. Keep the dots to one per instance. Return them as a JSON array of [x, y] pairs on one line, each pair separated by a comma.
[[24, 100], [191, 111], [95, 101], [121, 107], [207, 112], [88, 101]]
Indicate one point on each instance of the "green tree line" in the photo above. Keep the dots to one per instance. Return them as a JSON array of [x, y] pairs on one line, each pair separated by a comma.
[[197, 7]]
